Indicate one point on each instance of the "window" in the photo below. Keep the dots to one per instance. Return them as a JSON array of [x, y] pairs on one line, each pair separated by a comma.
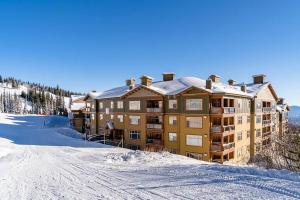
[[172, 120], [93, 116], [194, 140], [88, 105], [240, 136], [101, 116], [258, 132], [197, 156], [258, 105], [101, 105], [248, 133], [134, 135], [194, 104], [111, 104], [258, 119], [173, 104], [134, 120], [239, 103], [239, 152], [120, 117], [172, 137], [120, 104], [240, 119], [111, 116], [107, 111], [134, 105], [194, 122], [93, 105], [248, 119]]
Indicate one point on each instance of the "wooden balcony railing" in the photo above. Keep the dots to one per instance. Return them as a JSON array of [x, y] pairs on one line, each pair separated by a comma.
[[154, 109], [217, 146], [229, 110], [154, 141], [220, 110], [154, 126], [268, 121], [267, 109], [218, 129]]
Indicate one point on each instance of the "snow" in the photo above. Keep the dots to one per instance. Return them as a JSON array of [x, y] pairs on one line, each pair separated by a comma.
[[38, 160]]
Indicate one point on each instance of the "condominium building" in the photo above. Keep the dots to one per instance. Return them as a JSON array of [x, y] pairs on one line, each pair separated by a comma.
[[204, 119]]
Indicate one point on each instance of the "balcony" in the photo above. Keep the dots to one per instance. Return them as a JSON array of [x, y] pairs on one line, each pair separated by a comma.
[[225, 129], [154, 141], [216, 129], [154, 109], [266, 134], [220, 110], [267, 122], [267, 109], [154, 126], [218, 147], [228, 110], [229, 128]]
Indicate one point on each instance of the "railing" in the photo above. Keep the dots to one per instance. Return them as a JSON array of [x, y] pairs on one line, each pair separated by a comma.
[[229, 110], [220, 110], [154, 109], [268, 121], [154, 141], [217, 146], [267, 109], [266, 134], [216, 129], [229, 128], [216, 110], [155, 126]]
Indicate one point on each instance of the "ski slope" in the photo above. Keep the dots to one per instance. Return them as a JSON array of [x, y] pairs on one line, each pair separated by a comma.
[[40, 158]]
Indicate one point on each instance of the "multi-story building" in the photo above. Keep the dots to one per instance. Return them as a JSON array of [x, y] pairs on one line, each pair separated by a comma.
[[282, 110], [77, 116], [91, 125], [203, 119]]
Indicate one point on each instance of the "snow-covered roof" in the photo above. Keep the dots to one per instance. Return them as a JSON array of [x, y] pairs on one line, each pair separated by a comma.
[[282, 107], [176, 86], [254, 88], [77, 106], [77, 97], [92, 95]]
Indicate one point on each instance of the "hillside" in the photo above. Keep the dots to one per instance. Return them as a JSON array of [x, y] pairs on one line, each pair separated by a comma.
[[43, 162], [20, 97], [294, 114]]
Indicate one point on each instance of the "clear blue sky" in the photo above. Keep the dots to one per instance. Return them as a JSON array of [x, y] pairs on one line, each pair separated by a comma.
[[86, 45]]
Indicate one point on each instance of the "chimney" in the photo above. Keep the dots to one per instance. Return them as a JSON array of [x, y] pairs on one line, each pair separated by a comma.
[[130, 83], [231, 82], [244, 88], [281, 101], [259, 79], [215, 78], [208, 84], [146, 80], [168, 76]]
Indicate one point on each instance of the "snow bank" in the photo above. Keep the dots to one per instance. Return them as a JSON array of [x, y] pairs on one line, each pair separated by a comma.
[[69, 133]]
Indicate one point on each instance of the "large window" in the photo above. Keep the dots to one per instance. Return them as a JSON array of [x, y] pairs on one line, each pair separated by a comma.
[[134, 105], [134, 135], [197, 156], [240, 119], [194, 104], [239, 136], [258, 132], [194, 122], [101, 105], [111, 104], [258, 119], [173, 104], [172, 120], [93, 116], [172, 137], [107, 111], [101, 116], [120, 104], [120, 117], [194, 140], [134, 120], [111, 117]]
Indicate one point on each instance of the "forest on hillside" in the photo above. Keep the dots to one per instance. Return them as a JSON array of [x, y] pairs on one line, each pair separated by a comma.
[[20, 97]]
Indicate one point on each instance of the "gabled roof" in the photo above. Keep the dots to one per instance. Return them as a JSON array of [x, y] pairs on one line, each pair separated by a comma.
[[176, 86], [92, 95], [254, 89]]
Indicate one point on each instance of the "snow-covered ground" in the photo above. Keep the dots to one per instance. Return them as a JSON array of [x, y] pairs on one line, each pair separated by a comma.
[[39, 160]]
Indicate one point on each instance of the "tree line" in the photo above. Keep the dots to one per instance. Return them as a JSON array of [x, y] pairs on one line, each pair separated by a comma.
[[39, 99]]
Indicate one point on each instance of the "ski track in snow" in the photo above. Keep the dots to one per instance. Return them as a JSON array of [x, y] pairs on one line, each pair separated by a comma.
[[39, 162]]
